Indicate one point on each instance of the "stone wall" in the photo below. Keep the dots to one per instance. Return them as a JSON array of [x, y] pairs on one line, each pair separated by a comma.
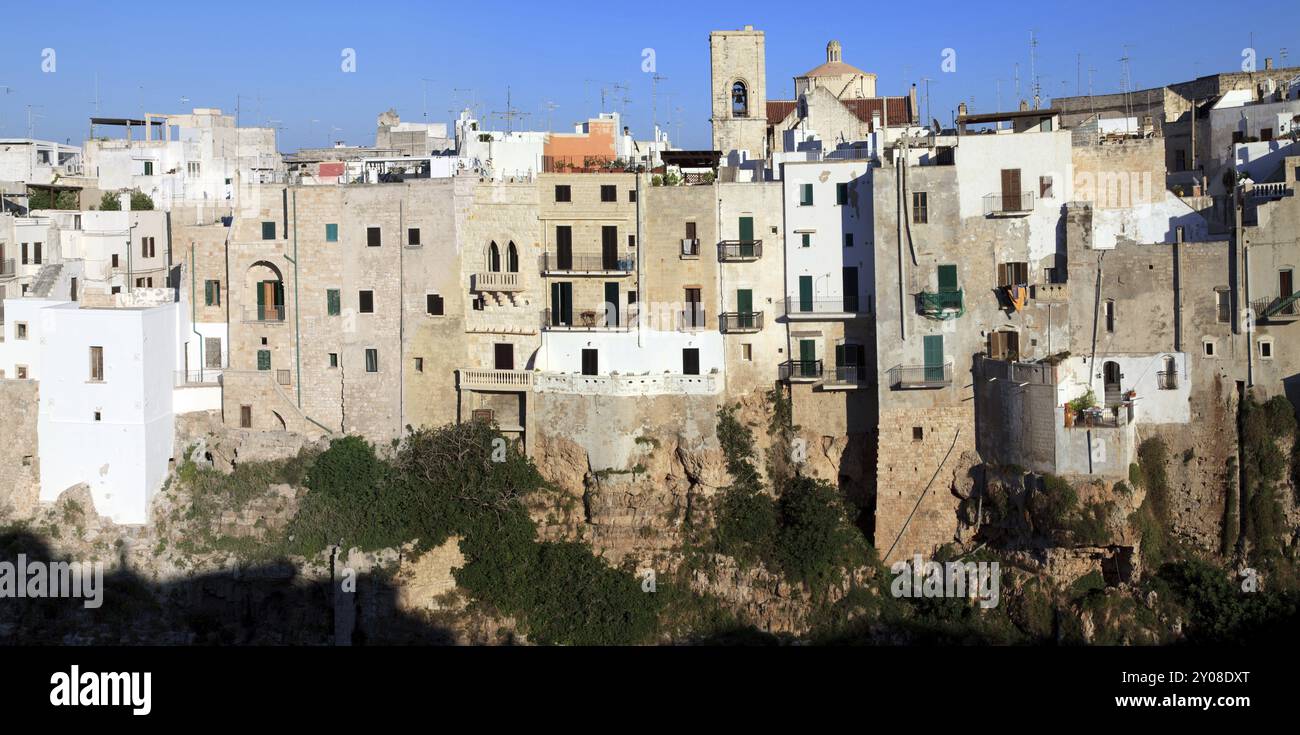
[[19, 466]]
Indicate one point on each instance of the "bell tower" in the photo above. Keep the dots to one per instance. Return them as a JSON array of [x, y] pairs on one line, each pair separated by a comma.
[[739, 82]]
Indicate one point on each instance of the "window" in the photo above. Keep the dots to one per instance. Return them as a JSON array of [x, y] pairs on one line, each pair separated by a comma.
[[413, 236], [148, 168], [590, 362], [212, 352], [366, 302], [503, 356], [114, 260], [97, 364], [1266, 134], [805, 195], [21, 371], [1011, 191], [1013, 274], [99, 416], [372, 237], [263, 359], [36, 253], [739, 100], [419, 364], [1208, 347], [920, 207], [282, 377], [947, 278], [372, 360], [245, 417], [147, 249], [747, 352], [331, 232], [332, 302], [1238, 136], [1044, 187], [1108, 310], [1180, 160], [212, 293], [433, 304], [192, 168], [841, 194], [805, 239], [20, 330], [268, 230], [1223, 305], [25, 259], [563, 193], [690, 231], [918, 434], [1266, 349], [334, 359], [631, 195], [608, 193], [848, 239]]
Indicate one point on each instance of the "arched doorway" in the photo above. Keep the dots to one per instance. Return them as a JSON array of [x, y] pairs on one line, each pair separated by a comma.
[[494, 258], [512, 258], [1110, 376]]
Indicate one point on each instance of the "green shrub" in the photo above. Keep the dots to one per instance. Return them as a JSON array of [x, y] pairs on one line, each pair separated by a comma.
[[817, 540]]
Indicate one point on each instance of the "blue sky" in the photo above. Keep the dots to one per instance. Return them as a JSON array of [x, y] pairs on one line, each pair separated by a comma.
[[286, 68]]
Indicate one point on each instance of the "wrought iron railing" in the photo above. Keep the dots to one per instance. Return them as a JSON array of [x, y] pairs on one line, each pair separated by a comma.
[[849, 374], [941, 304], [584, 263], [1167, 380], [905, 377], [264, 313], [1000, 203], [731, 322], [796, 305], [1276, 307], [739, 250], [800, 370], [584, 319]]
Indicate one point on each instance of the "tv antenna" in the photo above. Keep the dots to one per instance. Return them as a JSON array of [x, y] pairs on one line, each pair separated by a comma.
[[550, 108], [424, 84], [509, 114], [1033, 69]]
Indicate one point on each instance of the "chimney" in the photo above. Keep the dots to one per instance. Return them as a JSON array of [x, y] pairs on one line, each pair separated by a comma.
[[961, 109], [1024, 106], [1268, 63]]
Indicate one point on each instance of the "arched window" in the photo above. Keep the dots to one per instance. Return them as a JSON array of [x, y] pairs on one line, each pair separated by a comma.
[[494, 258], [739, 100], [512, 258]]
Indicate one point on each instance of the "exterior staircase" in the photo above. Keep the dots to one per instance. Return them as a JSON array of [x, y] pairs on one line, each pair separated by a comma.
[[45, 279]]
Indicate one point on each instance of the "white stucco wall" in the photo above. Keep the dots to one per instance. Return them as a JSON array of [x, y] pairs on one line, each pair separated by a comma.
[[1137, 373], [658, 353], [827, 222]]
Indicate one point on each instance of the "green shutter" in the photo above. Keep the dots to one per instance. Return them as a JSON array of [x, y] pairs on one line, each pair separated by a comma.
[[947, 278], [268, 230], [331, 233], [934, 358], [207, 293], [807, 358], [263, 359], [746, 229], [745, 305], [261, 301], [332, 299], [806, 194], [805, 293]]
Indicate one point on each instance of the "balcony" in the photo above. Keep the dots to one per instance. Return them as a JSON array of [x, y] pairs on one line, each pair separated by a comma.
[[799, 309], [590, 265], [1167, 380], [1276, 308], [496, 282], [1266, 192], [690, 248], [844, 377], [740, 322], [494, 380], [800, 371], [941, 306], [587, 320], [264, 314], [739, 251], [1004, 204], [920, 377]]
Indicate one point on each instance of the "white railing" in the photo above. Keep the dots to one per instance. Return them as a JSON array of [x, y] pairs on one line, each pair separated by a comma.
[[495, 379], [628, 385], [207, 376], [495, 281]]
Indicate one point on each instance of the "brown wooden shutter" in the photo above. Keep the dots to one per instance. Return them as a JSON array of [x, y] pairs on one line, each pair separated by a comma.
[[1011, 190]]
